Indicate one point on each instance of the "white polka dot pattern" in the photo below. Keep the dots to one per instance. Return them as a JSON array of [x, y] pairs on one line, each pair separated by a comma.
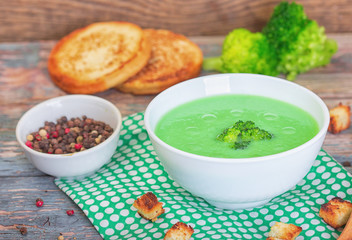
[[107, 197]]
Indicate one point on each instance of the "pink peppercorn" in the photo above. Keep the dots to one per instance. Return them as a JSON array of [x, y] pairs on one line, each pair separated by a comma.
[[39, 202], [78, 146], [55, 134], [29, 144], [38, 137], [70, 212]]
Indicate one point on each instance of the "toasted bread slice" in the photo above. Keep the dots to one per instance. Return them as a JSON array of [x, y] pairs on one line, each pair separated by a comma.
[[340, 118], [148, 206], [336, 212], [284, 231], [174, 58], [179, 231], [97, 57]]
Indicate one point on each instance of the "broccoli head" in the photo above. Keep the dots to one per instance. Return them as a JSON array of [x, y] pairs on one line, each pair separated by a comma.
[[229, 135], [241, 134], [241, 144], [255, 134], [244, 52], [299, 42]]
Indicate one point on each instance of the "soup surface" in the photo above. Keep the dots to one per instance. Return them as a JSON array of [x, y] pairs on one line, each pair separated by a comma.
[[194, 126]]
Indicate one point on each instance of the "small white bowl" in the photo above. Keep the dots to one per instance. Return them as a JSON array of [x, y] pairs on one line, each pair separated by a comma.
[[77, 164], [237, 183]]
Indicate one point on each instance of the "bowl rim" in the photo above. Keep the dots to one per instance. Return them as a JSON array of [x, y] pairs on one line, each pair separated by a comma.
[[320, 134], [49, 157]]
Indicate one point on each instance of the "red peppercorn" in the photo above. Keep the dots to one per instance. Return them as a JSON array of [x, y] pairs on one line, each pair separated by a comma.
[[38, 137], [29, 144], [78, 146], [55, 134], [70, 212], [67, 130], [39, 202]]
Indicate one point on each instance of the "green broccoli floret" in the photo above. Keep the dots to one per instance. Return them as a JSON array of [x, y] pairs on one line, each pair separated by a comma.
[[244, 125], [241, 145], [229, 135], [299, 42], [241, 134], [244, 52], [255, 134]]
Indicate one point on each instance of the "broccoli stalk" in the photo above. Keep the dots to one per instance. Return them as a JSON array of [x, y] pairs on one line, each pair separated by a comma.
[[299, 42], [244, 52], [213, 63], [241, 134]]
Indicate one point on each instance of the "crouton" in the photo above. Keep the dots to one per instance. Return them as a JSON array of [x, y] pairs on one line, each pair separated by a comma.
[[336, 212], [284, 231], [179, 231], [148, 206], [340, 118], [347, 231]]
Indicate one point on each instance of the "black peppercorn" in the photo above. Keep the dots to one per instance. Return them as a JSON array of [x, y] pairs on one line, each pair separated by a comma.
[[23, 231]]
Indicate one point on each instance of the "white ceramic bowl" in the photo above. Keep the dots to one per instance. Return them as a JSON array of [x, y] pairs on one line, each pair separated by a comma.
[[77, 164], [237, 183]]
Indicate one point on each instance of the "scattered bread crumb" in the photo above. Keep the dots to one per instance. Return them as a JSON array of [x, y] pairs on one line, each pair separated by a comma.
[[179, 231], [336, 212], [340, 118], [284, 231], [148, 206]]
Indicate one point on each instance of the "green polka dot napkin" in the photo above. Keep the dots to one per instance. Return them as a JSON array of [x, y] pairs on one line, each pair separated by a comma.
[[107, 197]]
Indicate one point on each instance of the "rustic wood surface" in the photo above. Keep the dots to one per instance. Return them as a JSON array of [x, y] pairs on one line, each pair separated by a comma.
[[28, 20], [24, 82]]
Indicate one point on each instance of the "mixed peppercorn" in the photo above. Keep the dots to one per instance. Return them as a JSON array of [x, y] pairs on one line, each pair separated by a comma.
[[23, 230], [39, 202], [69, 136]]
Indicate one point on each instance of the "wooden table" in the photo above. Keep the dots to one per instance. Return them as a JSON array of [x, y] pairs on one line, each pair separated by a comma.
[[24, 82]]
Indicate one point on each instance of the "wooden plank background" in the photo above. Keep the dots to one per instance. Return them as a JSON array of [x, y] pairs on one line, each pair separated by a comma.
[[24, 82], [29, 20]]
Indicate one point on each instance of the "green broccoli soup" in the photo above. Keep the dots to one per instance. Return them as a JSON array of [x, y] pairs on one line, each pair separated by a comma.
[[236, 126]]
